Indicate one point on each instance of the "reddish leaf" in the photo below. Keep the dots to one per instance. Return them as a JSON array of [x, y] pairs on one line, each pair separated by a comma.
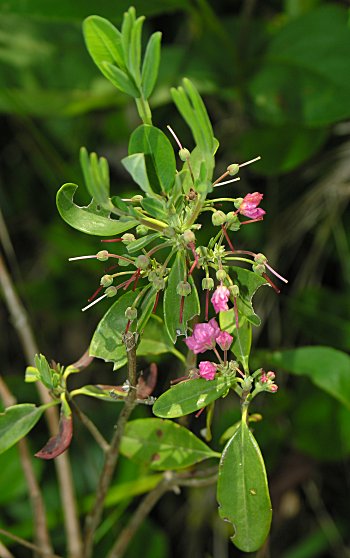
[[59, 443]]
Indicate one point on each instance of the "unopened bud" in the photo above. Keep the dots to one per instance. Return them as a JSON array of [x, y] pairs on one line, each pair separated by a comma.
[[218, 218], [159, 283], [102, 255], [141, 230], [189, 236], [184, 154], [124, 263], [258, 268], [207, 284], [271, 375], [137, 199], [233, 169], [238, 203], [231, 216], [234, 290], [127, 237], [221, 274], [111, 291], [260, 258], [106, 280], [131, 313], [273, 388], [152, 275], [234, 226], [183, 288], [169, 232], [142, 261]]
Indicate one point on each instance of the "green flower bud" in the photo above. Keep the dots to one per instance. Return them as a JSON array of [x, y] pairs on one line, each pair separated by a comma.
[[111, 291], [232, 217], [184, 154], [221, 274], [233, 169], [159, 284], [183, 288], [258, 268], [141, 230], [152, 275], [238, 203], [102, 255], [131, 313], [207, 284], [218, 218], [142, 261], [169, 232], [138, 198], [127, 237], [234, 289], [234, 226], [189, 236], [106, 280], [124, 263], [260, 258]]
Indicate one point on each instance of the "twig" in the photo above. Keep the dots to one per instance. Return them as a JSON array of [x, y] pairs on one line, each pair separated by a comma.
[[21, 324], [4, 552], [25, 543], [42, 536], [170, 482], [112, 455], [90, 426]]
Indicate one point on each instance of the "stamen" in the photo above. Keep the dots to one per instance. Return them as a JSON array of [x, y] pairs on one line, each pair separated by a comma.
[[251, 161], [275, 273], [82, 258], [94, 302], [216, 183], [130, 280], [175, 136], [271, 283], [223, 228], [197, 415], [95, 293], [112, 240]]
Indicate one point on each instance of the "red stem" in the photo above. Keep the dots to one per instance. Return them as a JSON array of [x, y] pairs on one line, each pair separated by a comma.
[[95, 294], [223, 228], [271, 283]]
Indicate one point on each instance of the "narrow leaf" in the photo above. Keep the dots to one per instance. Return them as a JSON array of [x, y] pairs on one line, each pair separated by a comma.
[[135, 50], [120, 79], [136, 166], [59, 443], [16, 422], [103, 41], [163, 445], [190, 396], [150, 65], [242, 491]]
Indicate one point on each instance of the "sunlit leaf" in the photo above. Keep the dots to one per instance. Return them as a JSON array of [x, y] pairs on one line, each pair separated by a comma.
[[150, 64], [16, 422]]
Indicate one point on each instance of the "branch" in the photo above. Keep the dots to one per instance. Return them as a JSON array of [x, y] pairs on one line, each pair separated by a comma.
[[42, 536], [170, 482], [25, 543], [112, 455], [22, 325], [4, 552], [90, 426]]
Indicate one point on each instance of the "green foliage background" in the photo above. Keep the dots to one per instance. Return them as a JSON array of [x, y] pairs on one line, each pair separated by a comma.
[[275, 77]]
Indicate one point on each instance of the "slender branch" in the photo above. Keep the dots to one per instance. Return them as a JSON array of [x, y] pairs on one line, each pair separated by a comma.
[[90, 426], [42, 536], [112, 455], [4, 552], [170, 482], [22, 325], [25, 543]]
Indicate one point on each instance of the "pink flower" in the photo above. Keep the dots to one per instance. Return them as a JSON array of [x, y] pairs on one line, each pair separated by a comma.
[[207, 370], [224, 340], [249, 206], [220, 298], [203, 337]]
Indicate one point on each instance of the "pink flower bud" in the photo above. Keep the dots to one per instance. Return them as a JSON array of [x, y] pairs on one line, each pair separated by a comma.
[[271, 375], [224, 340], [203, 337], [249, 206], [219, 299], [264, 378], [207, 370], [273, 388]]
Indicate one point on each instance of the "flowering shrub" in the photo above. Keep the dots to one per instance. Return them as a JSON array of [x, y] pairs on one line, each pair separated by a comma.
[[161, 268]]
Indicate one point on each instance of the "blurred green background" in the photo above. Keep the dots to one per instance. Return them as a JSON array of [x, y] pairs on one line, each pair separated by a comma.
[[275, 76]]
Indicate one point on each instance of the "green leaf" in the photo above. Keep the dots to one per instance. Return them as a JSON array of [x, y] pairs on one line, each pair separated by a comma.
[[45, 372], [135, 50], [326, 367], [136, 166], [98, 392], [103, 41], [155, 341], [107, 341], [89, 219], [190, 396], [163, 445], [159, 156], [96, 175], [242, 337], [120, 80], [150, 64], [242, 492], [248, 283], [172, 300], [136, 245], [156, 208], [16, 422]]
